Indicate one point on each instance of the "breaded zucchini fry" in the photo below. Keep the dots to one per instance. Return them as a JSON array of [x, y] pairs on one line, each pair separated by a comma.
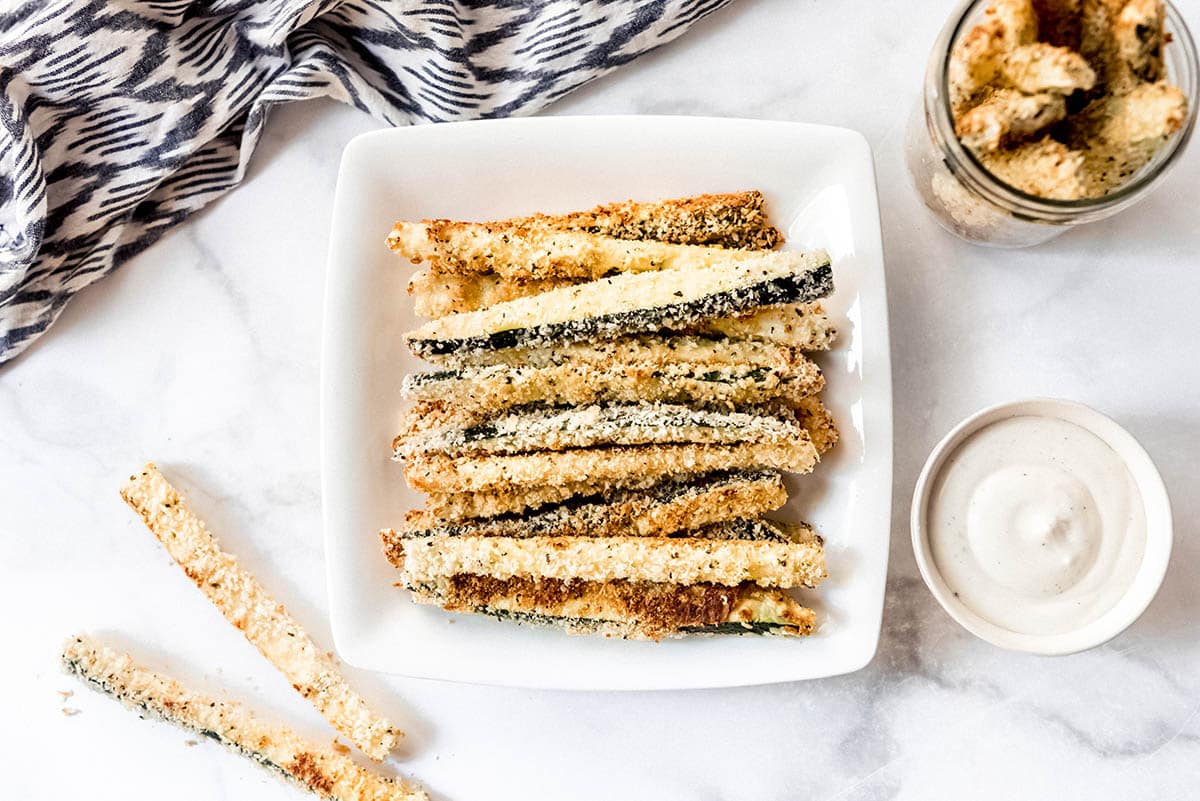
[[631, 610], [622, 466], [510, 500], [732, 220], [804, 325], [1046, 168], [657, 349], [1040, 67], [251, 609], [529, 429], [1119, 134], [500, 387], [818, 422], [978, 57], [732, 552], [653, 512], [628, 303], [1138, 40], [319, 769], [1123, 40], [1007, 116], [533, 253]]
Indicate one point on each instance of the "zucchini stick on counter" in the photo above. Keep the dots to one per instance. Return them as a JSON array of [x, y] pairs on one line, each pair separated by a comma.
[[318, 769], [251, 609]]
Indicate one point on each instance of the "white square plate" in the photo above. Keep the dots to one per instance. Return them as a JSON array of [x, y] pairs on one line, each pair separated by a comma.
[[820, 189]]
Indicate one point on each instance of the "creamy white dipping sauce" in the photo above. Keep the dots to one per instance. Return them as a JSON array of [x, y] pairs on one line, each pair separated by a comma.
[[1036, 525]]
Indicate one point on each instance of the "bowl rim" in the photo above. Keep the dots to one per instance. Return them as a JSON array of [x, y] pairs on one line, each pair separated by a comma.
[[1155, 502]]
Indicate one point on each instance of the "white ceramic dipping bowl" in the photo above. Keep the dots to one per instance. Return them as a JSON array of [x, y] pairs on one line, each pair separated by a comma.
[[1158, 529]]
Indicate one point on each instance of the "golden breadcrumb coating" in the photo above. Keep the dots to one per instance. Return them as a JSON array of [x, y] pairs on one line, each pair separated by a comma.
[[434, 427], [657, 511], [1042, 67], [631, 610], [1007, 116], [510, 500], [732, 220], [1045, 168], [782, 563], [532, 253], [1119, 134], [498, 387], [818, 422], [629, 464], [979, 54], [250, 608]]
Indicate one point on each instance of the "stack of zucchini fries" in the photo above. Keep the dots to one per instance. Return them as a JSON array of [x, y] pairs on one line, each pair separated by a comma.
[[616, 394]]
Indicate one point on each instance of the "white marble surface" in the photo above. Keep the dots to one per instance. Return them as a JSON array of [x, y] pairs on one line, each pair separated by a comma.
[[203, 354]]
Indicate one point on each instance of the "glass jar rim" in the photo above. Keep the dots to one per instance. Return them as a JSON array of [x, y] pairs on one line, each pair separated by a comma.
[[965, 166]]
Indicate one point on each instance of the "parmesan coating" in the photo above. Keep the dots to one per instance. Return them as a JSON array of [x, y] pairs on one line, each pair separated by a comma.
[[554, 429], [319, 769], [818, 422], [805, 326], [251, 609], [533, 253], [437, 294], [1041, 67], [1121, 133], [631, 610], [1007, 116], [779, 563], [629, 464], [499, 387], [732, 220], [1045, 169], [979, 55], [654, 512], [510, 500]]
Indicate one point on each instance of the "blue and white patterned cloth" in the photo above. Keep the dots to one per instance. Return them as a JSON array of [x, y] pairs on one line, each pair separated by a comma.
[[118, 118]]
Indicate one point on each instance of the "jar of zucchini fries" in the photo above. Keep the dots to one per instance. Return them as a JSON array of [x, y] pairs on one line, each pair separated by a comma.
[[1038, 115]]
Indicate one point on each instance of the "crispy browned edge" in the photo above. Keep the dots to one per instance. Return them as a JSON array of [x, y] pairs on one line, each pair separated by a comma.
[[653, 610]]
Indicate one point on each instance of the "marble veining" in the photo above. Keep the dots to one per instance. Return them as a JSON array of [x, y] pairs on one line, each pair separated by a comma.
[[203, 354]]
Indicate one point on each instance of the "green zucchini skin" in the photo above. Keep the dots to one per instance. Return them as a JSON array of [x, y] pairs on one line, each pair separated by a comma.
[[807, 286], [543, 524], [593, 625], [760, 628]]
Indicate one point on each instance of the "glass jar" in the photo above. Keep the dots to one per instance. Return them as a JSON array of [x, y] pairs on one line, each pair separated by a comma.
[[970, 202]]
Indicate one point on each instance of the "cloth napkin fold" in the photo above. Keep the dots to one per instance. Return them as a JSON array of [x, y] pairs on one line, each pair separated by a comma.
[[120, 118]]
